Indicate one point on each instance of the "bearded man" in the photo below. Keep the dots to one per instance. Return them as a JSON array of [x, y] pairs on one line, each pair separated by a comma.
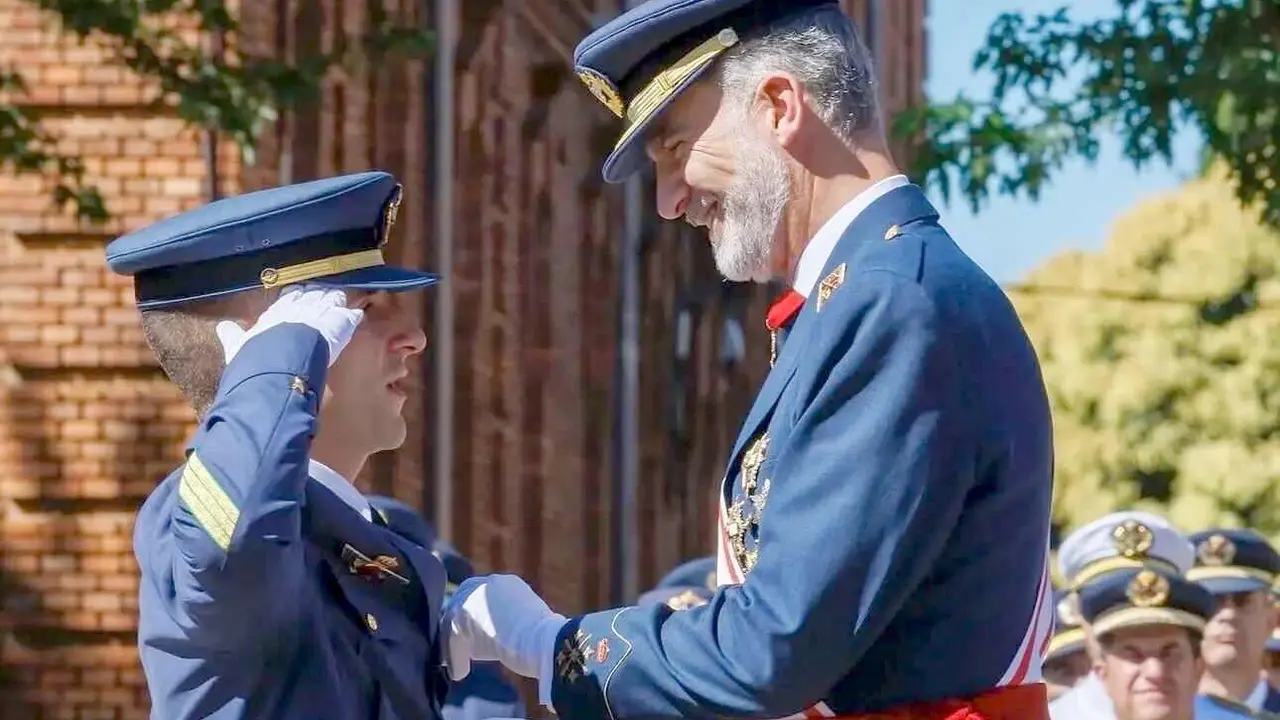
[[885, 515]]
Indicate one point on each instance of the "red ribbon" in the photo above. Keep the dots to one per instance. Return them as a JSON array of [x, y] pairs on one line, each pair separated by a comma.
[[783, 310]]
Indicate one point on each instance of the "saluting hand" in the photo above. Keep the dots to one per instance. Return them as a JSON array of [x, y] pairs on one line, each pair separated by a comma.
[[499, 617], [319, 307]]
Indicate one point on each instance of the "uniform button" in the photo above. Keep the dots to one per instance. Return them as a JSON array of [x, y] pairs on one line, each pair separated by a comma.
[[298, 385], [893, 232], [371, 621]]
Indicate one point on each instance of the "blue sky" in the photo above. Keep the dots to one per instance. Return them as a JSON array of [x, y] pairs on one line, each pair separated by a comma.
[[1011, 236]]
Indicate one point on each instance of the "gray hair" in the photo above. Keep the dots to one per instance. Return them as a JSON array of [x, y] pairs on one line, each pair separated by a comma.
[[821, 49]]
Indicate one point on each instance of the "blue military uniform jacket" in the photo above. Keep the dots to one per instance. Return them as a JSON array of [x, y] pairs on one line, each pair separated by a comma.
[[485, 692], [1209, 707], [263, 595], [885, 514]]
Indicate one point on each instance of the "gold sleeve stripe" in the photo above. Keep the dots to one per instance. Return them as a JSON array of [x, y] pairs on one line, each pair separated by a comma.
[[209, 503]]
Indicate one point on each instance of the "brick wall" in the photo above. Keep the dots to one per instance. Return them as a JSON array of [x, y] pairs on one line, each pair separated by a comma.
[[88, 425]]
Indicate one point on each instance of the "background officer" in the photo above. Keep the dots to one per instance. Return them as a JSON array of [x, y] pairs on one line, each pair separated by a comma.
[[1238, 567], [1066, 661], [269, 587], [1148, 623], [1113, 543]]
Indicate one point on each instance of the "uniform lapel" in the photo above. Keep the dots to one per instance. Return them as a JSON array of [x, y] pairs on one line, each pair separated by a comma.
[[879, 222]]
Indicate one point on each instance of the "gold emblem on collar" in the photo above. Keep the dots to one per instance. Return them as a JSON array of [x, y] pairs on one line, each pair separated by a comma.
[[1132, 539], [603, 88], [1148, 589], [1217, 551], [829, 285], [389, 216]]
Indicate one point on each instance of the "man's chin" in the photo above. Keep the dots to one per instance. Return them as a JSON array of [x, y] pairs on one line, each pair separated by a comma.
[[1152, 707], [393, 436]]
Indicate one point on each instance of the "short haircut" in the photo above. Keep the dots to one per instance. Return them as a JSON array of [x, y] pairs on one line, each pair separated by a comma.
[[822, 49], [187, 347]]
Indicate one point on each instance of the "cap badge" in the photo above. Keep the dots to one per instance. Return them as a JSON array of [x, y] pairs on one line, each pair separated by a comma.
[[1132, 539], [392, 211], [1217, 550], [1148, 589], [603, 88], [1069, 610]]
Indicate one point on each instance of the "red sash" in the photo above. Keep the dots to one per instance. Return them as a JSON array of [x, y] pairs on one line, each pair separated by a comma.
[[1021, 702]]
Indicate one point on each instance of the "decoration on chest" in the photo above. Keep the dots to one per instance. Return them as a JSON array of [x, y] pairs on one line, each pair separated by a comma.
[[382, 567], [576, 651], [747, 508]]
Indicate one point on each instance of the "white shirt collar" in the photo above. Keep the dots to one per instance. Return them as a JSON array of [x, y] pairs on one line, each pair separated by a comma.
[[1258, 696], [815, 254], [341, 487]]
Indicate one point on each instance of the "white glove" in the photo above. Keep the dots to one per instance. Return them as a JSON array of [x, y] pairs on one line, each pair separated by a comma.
[[499, 617], [321, 308]]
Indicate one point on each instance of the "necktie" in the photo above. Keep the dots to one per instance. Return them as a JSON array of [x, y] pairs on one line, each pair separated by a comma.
[[783, 310]]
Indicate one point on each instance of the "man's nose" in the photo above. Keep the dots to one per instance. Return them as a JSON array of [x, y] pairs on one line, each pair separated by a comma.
[[671, 194]]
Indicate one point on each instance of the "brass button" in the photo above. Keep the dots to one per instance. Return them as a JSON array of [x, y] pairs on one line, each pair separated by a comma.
[[893, 232], [372, 622], [298, 385]]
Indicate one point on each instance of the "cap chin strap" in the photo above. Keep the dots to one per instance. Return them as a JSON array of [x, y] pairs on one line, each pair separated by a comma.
[[291, 274]]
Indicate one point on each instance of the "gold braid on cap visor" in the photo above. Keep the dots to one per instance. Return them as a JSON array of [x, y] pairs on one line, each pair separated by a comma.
[[660, 88]]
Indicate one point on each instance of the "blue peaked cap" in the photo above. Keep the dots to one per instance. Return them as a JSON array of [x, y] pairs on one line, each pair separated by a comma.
[[1143, 597], [1234, 561], [328, 231], [641, 61]]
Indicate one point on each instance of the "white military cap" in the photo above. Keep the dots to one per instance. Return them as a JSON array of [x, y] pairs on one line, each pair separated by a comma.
[[1123, 540]]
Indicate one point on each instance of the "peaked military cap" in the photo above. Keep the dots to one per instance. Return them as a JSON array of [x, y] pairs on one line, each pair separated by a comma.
[[1122, 540], [1068, 635], [700, 572], [641, 61], [1137, 597], [327, 231], [1233, 561]]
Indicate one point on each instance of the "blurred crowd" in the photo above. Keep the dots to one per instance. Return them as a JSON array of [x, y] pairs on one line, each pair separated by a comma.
[[1154, 623]]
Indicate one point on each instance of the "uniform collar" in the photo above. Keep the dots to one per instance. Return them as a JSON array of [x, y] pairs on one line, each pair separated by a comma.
[[819, 249], [341, 487], [1258, 696]]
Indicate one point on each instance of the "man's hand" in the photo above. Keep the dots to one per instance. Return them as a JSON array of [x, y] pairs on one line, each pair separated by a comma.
[[321, 308], [499, 617]]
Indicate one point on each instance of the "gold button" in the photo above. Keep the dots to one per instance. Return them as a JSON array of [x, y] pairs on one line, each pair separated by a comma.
[[372, 622], [298, 385], [893, 232]]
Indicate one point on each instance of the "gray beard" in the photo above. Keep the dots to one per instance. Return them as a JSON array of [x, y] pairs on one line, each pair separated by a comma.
[[753, 206]]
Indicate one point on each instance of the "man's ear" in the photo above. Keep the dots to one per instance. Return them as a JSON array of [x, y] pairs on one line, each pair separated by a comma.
[[781, 99]]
